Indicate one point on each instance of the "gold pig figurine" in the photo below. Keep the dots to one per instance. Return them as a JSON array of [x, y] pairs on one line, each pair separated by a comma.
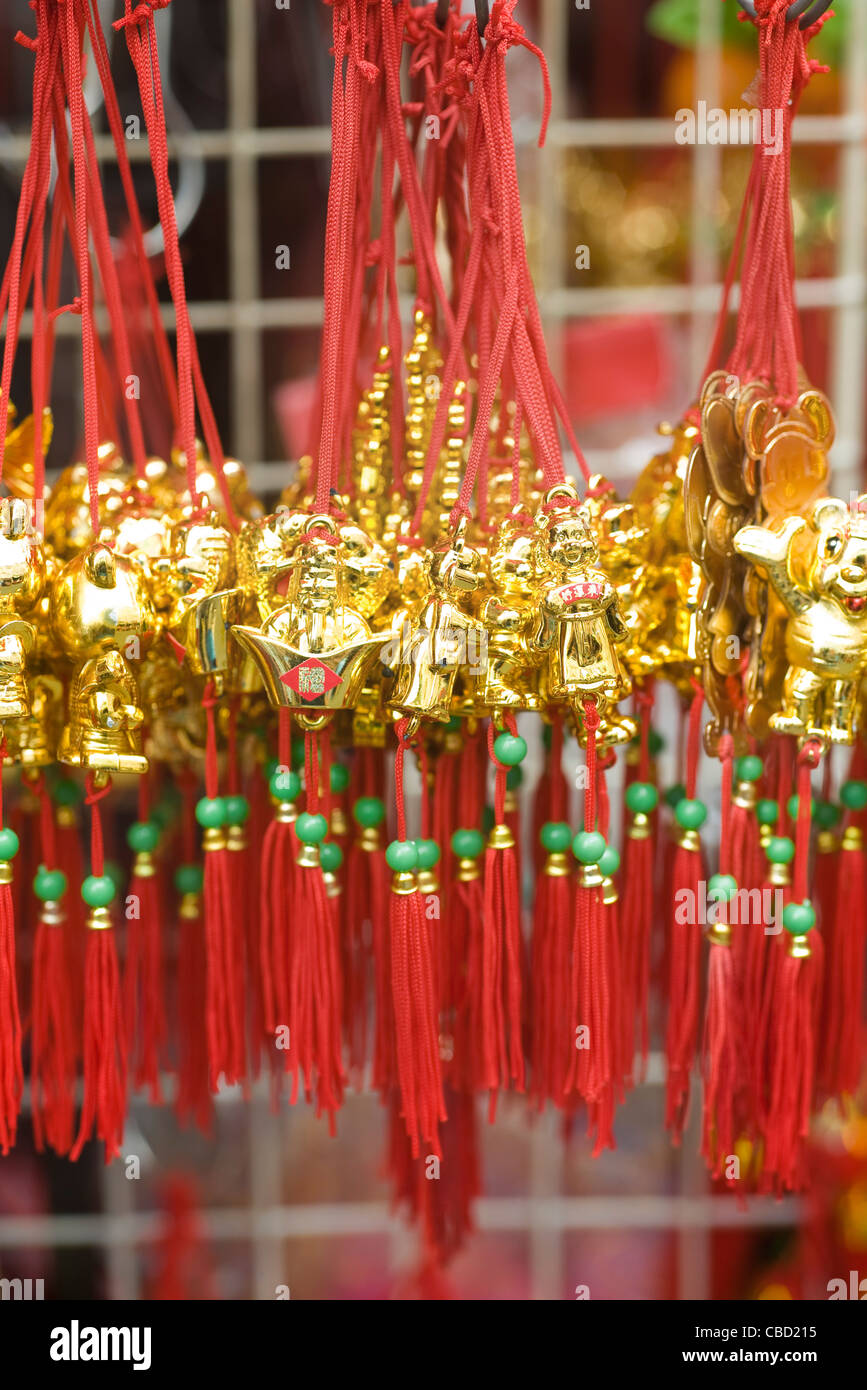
[[203, 603], [580, 626], [22, 575], [818, 568], [103, 618]]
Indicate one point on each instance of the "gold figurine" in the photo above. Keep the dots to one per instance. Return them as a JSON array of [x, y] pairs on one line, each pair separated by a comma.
[[103, 617], [580, 627], [818, 569], [22, 576]]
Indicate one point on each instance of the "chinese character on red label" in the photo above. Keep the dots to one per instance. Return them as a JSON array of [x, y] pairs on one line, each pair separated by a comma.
[[311, 680], [585, 588]]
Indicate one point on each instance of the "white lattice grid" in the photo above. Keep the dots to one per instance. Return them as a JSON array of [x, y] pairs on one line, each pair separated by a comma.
[[545, 1216]]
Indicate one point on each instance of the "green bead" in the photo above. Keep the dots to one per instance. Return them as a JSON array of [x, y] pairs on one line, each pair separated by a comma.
[[311, 829], [514, 778], [9, 844], [237, 809], [467, 844], [722, 887], [143, 837], [827, 815], [339, 777], [454, 723], [49, 885], [642, 797], [749, 768], [767, 812], [98, 890], [271, 767], [510, 749], [66, 792], [555, 836], [675, 795], [428, 852], [211, 812], [610, 862], [655, 743], [780, 849], [285, 785], [793, 803], [401, 856], [854, 795], [330, 856], [799, 918], [690, 814], [369, 811], [189, 878], [588, 846]]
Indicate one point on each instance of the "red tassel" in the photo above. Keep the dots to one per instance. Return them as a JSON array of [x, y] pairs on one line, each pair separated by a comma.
[[11, 1073], [364, 866], [144, 986], [70, 859], [499, 1007], [415, 1017], [636, 911], [52, 1046], [416, 1030], [595, 988], [551, 1039], [462, 985], [792, 1013], [315, 1005], [841, 1036], [723, 1025], [104, 1109], [105, 1066], [791, 1062], [194, 1102], [684, 952], [224, 933]]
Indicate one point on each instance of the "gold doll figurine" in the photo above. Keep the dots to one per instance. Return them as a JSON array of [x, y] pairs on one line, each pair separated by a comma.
[[442, 637], [103, 618], [580, 626], [202, 600], [818, 569], [315, 652], [508, 677], [22, 575]]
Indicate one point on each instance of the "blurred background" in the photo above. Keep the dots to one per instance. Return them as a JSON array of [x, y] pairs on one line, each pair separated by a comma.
[[270, 1202]]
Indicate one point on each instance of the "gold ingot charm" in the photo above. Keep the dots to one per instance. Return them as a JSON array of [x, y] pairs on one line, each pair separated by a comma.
[[22, 575]]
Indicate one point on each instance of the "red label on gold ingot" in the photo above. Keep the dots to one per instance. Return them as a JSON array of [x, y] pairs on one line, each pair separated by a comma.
[[584, 588], [310, 679]]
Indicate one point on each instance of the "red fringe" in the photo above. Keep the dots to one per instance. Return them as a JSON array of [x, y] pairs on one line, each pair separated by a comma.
[[415, 1019], [595, 1006], [104, 1109], [315, 1003], [636, 923], [791, 1066], [224, 944], [11, 1072], [498, 1010], [551, 1038], [144, 988], [194, 1103], [52, 1045], [841, 1035], [684, 993], [722, 1032]]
